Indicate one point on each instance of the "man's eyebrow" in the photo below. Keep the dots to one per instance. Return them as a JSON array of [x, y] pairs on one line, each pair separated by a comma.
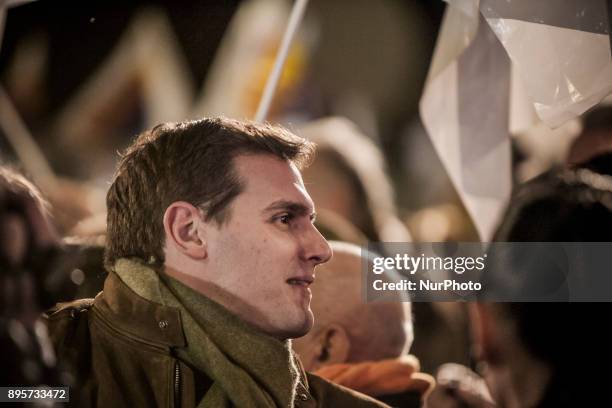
[[291, 206]]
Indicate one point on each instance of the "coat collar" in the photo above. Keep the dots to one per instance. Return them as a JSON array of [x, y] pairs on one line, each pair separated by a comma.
[[148, 321]]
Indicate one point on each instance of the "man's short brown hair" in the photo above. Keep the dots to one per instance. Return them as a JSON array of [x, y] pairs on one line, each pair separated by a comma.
[[188, 161]]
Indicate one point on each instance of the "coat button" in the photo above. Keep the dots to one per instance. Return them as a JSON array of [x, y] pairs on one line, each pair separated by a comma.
[[303, 396], [163, 324]]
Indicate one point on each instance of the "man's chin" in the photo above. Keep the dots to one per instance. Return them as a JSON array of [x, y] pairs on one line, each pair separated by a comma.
[[308, 323], [300, 329]]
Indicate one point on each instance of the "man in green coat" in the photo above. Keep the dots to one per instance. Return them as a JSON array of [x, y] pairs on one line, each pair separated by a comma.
[[211, 249]]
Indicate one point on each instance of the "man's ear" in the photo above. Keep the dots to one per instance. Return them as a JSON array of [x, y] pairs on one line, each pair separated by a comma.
[[485, 332], [185, 230], [333, 346]]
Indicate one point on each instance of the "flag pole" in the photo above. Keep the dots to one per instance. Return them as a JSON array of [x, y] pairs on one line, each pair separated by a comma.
[[299, 7]]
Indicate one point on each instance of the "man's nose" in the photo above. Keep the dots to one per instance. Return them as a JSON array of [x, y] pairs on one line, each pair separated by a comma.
[[317, 247]]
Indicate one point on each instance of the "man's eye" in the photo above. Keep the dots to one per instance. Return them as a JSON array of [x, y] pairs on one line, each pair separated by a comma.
[[285, 218]]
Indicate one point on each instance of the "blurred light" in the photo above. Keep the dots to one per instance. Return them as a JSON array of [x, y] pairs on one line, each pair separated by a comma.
[[432, 225], [46, 349], [77, 276], [19, 335]]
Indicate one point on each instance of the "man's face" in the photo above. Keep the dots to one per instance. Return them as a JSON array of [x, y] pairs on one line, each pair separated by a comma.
[[263, 257]]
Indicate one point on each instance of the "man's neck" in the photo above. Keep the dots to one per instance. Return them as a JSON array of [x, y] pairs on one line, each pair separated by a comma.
[[206, 288], [232, 303]]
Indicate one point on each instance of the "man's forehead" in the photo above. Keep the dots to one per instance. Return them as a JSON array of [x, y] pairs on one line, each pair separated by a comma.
[[272, 180]]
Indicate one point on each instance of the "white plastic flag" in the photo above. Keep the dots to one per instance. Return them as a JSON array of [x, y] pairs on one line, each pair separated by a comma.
[[561, 51], [558, 51], [465, 109]]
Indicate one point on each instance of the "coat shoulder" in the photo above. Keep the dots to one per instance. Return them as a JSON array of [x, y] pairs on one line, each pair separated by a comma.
[[329, 394], [68, 326]]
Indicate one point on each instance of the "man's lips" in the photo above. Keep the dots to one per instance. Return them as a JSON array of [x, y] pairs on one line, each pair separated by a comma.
[[304, 281]]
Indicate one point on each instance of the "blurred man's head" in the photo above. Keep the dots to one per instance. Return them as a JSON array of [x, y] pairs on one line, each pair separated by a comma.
[[222, 206], [560, 206], [25, 225], [29, 280], [346, 329], [349, 178], [550, 341]]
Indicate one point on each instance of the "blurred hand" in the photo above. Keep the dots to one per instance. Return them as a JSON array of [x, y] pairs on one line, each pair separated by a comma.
[[459, 387]]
